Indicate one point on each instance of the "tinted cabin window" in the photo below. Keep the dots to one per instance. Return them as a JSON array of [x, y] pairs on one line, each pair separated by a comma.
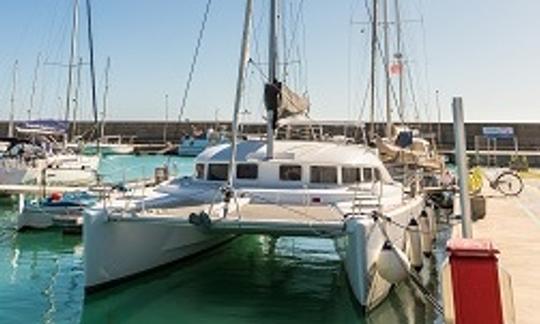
[[351, 175], [217, 172], [290, 172], [323, 174], [247, 171], [368, 174], [199, 171]]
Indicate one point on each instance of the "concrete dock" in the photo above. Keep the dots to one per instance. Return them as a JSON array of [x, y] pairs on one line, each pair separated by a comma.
[[513, 224]]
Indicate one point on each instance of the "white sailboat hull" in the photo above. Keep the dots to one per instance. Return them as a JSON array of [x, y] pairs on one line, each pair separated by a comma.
[[58, 170], [118, 250], [108, 149]]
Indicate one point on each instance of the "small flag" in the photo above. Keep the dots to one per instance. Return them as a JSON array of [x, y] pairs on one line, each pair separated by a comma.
[[396, 68]]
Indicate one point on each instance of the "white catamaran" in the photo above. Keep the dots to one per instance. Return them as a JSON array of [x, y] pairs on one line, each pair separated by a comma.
[[279, 187]]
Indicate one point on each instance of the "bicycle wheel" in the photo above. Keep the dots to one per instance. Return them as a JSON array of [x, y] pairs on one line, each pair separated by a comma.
[[509, 184]]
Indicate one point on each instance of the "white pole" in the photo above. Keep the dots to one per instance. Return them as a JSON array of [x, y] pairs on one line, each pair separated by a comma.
[[11, 129], [463, 170], [244, 51]]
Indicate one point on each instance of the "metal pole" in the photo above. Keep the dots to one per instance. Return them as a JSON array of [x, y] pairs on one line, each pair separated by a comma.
[[373, 67], [11, 128], [244, 51], [166, 118], [34, 84], [105, 97], [72, 55], [439, 126], [463, 170], [272, 77], [388, 131]]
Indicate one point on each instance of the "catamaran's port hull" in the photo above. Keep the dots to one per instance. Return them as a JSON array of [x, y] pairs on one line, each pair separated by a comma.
[[116, 250]]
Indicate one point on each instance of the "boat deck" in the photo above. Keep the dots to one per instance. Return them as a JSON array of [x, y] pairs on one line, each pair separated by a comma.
[[314, 220]]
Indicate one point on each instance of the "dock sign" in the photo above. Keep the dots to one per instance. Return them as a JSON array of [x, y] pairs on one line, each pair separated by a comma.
[[498, 132]]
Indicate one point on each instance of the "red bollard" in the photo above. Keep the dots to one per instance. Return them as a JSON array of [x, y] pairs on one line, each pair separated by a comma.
[[475, 290]]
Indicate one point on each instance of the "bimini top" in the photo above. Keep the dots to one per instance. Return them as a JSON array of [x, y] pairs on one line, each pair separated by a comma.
[[303, 152]]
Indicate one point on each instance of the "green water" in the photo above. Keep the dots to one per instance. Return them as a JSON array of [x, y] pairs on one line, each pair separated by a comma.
[[253, 279]]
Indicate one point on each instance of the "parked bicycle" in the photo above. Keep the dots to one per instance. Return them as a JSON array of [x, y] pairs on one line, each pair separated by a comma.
[[507, 182]]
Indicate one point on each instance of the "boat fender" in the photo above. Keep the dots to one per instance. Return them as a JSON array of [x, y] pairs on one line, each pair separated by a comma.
[[392, 264], [415, 245], [194, 219], [425, 234]]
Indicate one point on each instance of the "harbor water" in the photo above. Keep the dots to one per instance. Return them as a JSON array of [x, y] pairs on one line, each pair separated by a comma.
[[252, 279]]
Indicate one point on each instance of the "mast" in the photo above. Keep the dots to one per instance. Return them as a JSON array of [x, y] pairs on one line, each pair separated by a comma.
[[166, 118], [244, 52], [388, 131], [373, 68], [92, 67], [72, 55], [399, 58], [439, 129], [34, 84], [12, 100], [272, 77], [76, 98], [105, 95]]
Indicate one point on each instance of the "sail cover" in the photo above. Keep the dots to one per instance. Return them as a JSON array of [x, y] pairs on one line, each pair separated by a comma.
[[44, 127], [284, 102]]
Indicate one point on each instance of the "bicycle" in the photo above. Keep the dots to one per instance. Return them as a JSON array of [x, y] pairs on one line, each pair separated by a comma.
[[507, 182]]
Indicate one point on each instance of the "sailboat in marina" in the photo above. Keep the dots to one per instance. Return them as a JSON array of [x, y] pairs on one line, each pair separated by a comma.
[[400, 144], [325, 189], [43, 157]]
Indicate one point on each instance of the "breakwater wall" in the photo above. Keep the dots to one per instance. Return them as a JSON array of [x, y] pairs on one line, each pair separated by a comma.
[[151, 132]]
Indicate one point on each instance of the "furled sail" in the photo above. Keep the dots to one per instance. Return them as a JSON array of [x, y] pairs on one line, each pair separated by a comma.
[[284, 102]]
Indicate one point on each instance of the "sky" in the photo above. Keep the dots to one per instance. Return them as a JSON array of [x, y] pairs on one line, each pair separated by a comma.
[[484, 51]]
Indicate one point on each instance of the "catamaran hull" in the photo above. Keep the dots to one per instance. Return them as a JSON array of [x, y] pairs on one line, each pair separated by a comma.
[[118, 250], [46, 217], [360, 247]]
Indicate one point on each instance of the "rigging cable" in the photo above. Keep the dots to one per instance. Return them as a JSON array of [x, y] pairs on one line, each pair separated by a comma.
[[194, 60]]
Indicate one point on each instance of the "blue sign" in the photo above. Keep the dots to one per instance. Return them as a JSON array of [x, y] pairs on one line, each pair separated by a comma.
[[498, 132]]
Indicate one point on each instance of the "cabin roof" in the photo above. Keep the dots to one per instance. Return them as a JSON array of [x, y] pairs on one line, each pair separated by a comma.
[[302, 152]]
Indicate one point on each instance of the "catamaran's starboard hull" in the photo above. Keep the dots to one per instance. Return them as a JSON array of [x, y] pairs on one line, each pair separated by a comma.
[[360, 248], [115, 251]]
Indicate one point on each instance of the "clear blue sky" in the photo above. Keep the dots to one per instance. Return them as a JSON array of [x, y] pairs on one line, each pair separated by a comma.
[[486, 51]]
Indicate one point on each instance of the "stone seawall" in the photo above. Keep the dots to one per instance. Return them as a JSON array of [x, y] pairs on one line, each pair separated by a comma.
[[149, 132]]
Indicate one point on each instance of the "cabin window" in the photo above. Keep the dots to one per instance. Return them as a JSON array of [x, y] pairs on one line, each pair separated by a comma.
[[368, 174], [371, 174], [323, 174], [217, 172], [351, 175], [290, 172], [199, 171], [247, 171]]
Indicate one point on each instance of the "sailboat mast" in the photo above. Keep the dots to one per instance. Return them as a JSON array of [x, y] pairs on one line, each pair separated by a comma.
[[11, 128], [34, 85], [399, 58], [373, 68], [92, 67], [272, 76], [76, 98], [105, 95], [388, 131], [244, 56], [72, 55]]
